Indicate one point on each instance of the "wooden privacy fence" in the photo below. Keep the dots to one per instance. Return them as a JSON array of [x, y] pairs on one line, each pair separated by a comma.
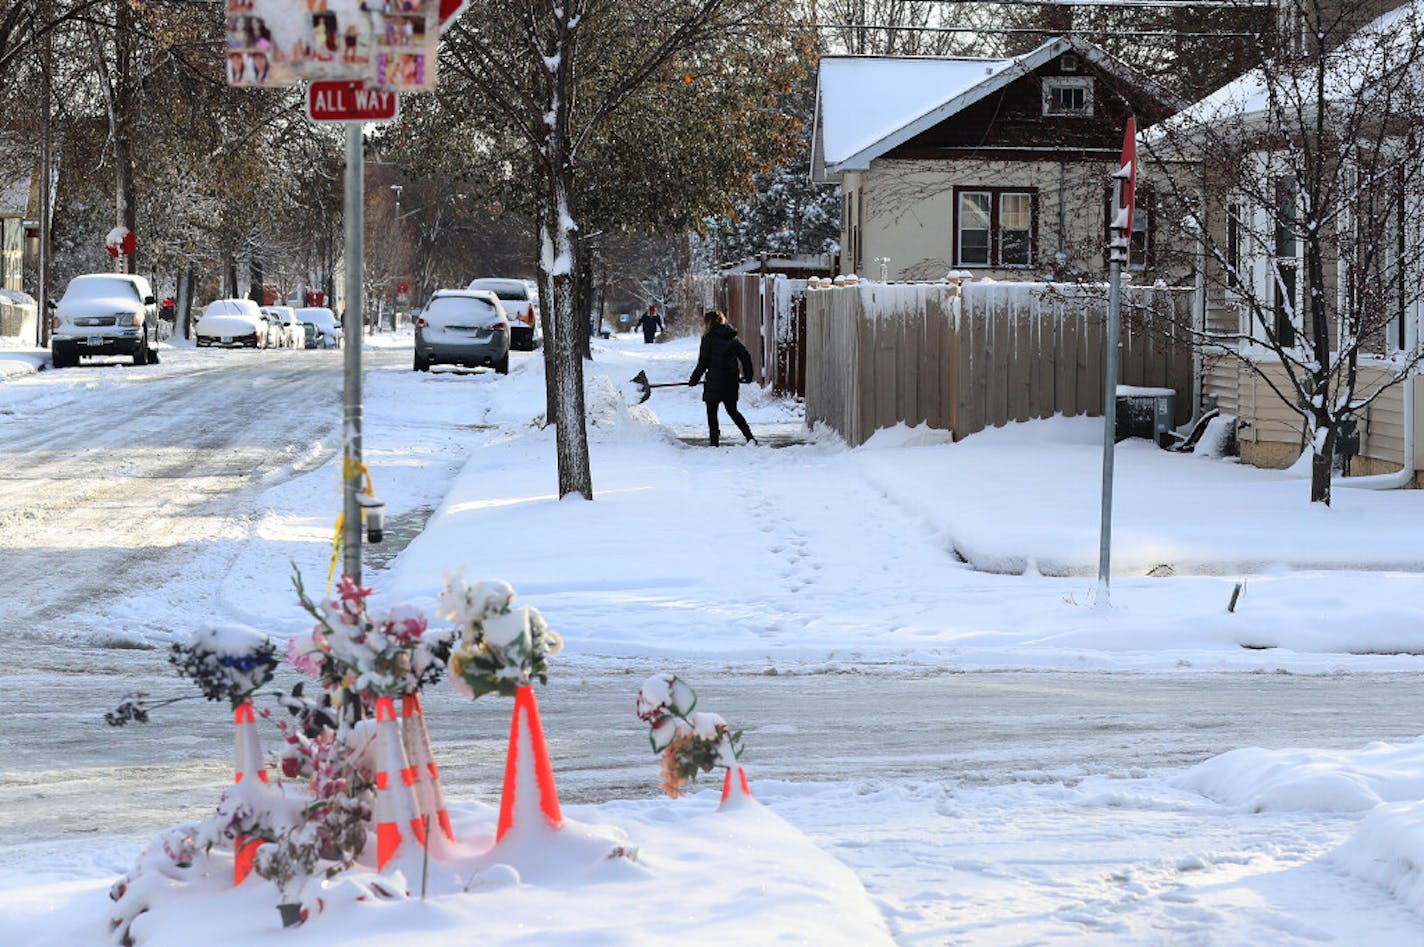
[[769, 314], [981, 355]]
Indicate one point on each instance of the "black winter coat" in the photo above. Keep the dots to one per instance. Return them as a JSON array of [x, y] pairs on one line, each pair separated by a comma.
[[726, 363]]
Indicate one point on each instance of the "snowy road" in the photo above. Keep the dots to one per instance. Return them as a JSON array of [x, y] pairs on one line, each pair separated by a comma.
[[984, 805], [107, 483]]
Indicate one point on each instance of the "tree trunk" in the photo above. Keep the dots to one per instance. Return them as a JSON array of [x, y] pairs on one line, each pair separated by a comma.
[[546, 325], [556, 269], [1322, 461], [125, 205], [254, 281], [184, 302], [583, 297]]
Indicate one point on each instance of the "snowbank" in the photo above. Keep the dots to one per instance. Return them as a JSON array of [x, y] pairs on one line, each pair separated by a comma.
[[645, 872]]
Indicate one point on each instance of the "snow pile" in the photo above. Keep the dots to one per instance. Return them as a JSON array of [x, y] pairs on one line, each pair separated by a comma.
[[1307, 780], [1388, 850], [666, 872], [1216, 438], [902, 435], [1028, 495]]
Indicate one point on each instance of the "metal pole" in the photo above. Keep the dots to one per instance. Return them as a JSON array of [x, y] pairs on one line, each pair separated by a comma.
[[351, 428], [1117, 250], [44, 290]]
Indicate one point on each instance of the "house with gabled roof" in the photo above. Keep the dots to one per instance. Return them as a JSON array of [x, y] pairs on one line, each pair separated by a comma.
[[998, 167]]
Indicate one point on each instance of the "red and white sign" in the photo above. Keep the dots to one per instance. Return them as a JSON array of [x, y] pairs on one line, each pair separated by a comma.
[[449, 10], [121, 241], [1128, 173], [350, 101]]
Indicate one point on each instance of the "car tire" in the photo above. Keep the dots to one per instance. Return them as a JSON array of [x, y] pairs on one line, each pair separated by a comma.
[[502, 366], [153, 355], [421, 364], [140, 355], [63, 356]]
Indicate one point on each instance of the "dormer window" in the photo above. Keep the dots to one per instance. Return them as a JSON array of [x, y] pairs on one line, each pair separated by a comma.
[[1067, 95]]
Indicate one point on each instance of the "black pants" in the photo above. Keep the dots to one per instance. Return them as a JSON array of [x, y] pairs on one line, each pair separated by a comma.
[[713, 432], [650, 336]]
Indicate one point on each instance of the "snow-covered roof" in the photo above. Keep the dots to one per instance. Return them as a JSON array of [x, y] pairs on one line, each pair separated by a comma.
[[867, 105], [1387, 44], [866, 99]]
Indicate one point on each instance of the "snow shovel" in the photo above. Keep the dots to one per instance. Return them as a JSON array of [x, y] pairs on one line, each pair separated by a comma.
[[645, 387]]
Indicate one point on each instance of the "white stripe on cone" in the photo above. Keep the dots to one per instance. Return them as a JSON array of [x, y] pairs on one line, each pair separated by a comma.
[[396, 810]]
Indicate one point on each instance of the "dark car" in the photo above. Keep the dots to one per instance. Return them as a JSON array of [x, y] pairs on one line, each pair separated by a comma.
[[462, 327]]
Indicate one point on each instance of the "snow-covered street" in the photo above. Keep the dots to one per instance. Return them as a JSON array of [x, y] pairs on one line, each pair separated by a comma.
[[995, 759]]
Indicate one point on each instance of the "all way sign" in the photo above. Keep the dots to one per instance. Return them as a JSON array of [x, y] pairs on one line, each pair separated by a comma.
[[350, 101]]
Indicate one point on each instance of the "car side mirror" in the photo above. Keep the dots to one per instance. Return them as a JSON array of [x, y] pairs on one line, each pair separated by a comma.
[[51, 304], [149, 301]]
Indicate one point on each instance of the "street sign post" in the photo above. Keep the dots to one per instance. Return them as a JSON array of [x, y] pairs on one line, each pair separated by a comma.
[[1124, 201], [350, 101]]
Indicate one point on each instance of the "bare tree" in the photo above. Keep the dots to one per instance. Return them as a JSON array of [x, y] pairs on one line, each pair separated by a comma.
[[530, 60], [1300, 185]]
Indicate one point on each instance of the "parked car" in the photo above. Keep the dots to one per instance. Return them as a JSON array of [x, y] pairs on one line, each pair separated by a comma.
[[235, 323], [105, 314], [522, 308], [293, 335], [274, 334], [328, 329], [311, 335], [462, 327]]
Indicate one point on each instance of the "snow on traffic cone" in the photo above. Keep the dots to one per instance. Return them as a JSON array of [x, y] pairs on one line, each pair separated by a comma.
[[418, 752], [248, 749], [527, 762], [395, 798], [734, 789]]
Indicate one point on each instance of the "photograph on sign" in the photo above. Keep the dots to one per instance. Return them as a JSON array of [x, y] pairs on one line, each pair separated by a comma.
[[389, 43]]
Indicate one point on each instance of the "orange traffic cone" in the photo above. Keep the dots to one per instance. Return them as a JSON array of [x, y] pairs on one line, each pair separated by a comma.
[[528, 760], [248, 748], [395, 798], [418, 752], [735, 788]]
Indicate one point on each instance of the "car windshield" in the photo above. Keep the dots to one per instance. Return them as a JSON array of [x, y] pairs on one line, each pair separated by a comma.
[[447, 309], [100, 287]]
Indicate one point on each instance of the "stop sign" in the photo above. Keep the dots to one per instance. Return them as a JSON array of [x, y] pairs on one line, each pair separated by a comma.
[[449, 10]]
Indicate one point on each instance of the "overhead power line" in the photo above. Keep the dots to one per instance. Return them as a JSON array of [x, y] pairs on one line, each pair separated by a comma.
[[1035, 31]]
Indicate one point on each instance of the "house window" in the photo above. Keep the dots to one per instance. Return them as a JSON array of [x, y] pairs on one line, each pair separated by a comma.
[[994, 227], [1068, 95], [1284, 284], [1068, 62]]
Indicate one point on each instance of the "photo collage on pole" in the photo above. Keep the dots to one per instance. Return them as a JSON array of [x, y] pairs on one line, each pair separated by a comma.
[[390, 44]]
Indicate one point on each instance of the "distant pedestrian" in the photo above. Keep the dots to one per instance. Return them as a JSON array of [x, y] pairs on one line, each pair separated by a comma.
[[651, 323], [727, 364]]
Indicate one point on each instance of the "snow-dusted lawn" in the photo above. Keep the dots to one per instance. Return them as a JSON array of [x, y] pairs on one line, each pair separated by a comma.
[[823, 554]]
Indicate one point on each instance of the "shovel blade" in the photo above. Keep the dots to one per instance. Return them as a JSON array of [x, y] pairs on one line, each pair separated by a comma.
[[645, 390]]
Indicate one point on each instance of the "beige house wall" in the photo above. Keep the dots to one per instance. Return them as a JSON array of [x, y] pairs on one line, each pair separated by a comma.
[[908, 214], [1272, 435]]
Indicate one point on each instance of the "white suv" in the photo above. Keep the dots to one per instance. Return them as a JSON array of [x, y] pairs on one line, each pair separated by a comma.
[[105, 314]]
